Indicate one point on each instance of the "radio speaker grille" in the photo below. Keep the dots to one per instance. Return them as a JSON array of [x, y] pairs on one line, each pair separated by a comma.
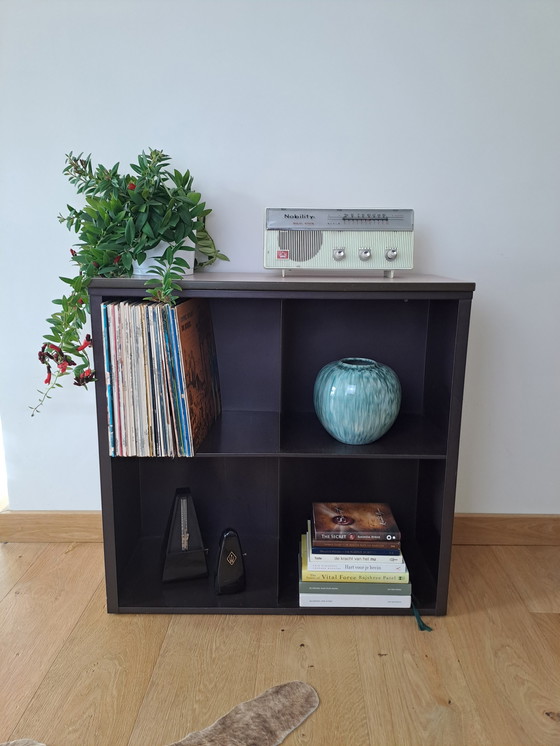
[[302, 245]]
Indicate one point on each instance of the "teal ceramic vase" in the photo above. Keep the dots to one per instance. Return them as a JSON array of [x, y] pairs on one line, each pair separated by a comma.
[[356, 399]]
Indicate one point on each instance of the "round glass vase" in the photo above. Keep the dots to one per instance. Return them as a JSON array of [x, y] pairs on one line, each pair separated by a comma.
[[357, 399]]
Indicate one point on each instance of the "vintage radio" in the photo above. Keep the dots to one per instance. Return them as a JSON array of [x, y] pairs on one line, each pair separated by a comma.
[[339, 239]]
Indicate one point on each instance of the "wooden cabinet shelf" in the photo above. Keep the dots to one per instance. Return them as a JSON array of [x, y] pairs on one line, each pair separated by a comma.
[[267, 458]]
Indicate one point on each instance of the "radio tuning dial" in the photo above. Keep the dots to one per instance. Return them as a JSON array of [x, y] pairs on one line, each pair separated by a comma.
[[391, 254], [364, 254], [339, 254]]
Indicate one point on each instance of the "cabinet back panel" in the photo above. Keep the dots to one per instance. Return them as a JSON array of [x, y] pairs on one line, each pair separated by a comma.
[[316, 333], [239, 493], [304, 481], [247, 334]]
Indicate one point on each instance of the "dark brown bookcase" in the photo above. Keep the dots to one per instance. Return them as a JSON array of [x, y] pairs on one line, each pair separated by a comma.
[[267, 458]]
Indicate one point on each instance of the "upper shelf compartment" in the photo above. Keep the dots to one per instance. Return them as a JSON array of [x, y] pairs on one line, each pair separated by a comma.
[[274, 334]]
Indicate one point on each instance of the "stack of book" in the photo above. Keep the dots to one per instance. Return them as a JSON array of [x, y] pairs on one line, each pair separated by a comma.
[[161, 376], [351, 557]]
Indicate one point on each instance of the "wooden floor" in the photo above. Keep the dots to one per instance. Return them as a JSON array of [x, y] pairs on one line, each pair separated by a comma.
[[488, 673]]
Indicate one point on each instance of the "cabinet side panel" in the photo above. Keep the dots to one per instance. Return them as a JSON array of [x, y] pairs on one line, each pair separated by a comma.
[[122, 520], [445, 375], [429, 517], [441, 351]]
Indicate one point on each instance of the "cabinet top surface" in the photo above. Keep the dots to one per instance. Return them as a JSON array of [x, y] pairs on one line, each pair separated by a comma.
[[402, 282]]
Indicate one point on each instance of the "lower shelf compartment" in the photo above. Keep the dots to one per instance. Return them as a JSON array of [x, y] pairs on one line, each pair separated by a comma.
[[141, 591], [140, 586]]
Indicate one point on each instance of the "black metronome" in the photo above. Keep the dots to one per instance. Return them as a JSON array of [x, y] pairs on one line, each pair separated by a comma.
[[185, 555], [230, 571]]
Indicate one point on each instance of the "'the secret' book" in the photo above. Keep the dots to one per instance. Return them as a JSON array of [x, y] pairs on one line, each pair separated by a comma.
[[354, 522]]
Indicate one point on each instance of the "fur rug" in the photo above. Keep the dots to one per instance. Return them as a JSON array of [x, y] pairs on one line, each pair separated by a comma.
[[263, 721]]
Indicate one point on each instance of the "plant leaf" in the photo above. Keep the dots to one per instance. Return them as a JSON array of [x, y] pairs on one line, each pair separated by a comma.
[[129, 231], [147, 230]]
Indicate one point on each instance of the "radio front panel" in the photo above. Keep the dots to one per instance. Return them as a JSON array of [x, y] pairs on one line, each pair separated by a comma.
[[339, 239]]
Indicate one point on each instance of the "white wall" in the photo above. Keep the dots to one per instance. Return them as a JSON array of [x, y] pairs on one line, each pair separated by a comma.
[[448, 107]]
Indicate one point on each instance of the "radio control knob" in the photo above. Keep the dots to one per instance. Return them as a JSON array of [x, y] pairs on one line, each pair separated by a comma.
[[364, 254], [391, 254], [339, 254]]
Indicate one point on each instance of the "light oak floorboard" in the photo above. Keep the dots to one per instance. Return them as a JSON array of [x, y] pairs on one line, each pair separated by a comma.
[[36, 618], [94, 689], [414, 685], [323, 652], [488, 674], [547, 628], [535, 573], [206, 666], [15, 560], [512, 677]]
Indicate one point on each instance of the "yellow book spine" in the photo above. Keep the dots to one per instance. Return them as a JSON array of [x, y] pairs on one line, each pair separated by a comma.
[[355, 577]]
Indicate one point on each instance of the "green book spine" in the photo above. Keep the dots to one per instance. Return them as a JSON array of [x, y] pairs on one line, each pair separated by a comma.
[[378, 589]]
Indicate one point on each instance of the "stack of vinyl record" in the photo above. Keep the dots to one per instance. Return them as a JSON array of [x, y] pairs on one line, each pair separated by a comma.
[[161, 376]]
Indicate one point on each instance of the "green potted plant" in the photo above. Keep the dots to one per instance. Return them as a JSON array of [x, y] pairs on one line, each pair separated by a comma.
[[125, 217]]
